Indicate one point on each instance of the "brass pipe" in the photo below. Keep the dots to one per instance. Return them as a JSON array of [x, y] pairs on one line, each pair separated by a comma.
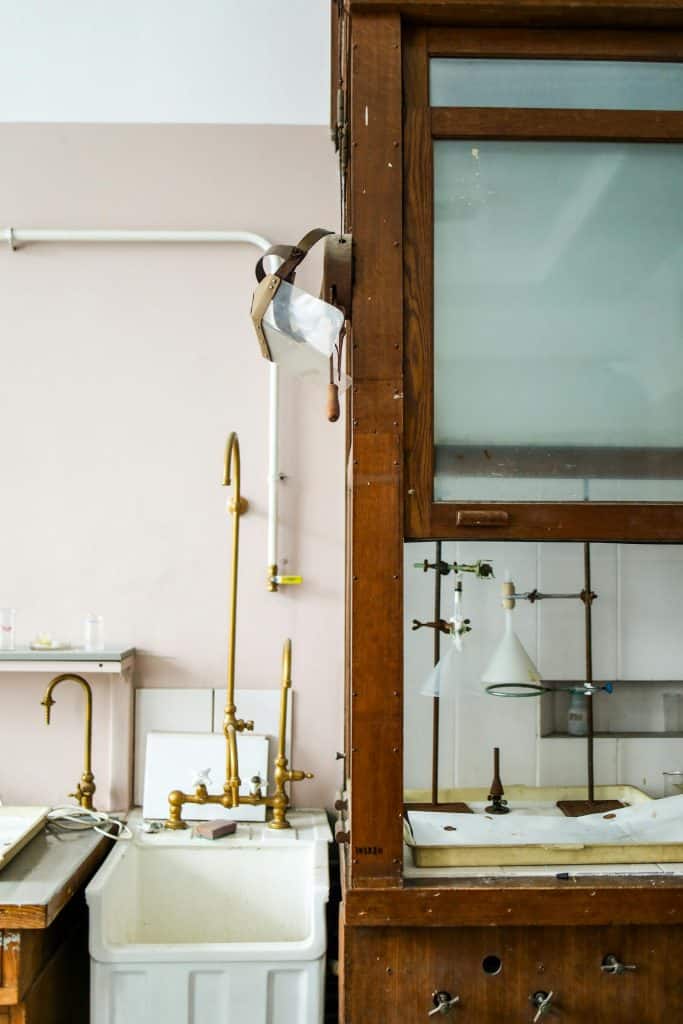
[[237, 506], [86, 787], [286, 685]]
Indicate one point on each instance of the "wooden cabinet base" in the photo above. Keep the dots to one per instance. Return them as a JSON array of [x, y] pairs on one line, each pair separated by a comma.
[[392, 974], [44, 973]]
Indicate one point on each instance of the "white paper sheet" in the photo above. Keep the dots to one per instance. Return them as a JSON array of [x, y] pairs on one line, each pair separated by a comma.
[[657, 821]]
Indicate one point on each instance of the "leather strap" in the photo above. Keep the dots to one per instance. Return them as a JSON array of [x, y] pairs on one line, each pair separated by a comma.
[[292, 255]]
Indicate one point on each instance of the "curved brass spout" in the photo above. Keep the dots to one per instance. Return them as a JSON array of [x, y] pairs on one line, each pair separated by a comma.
[[237, 506], [86, 787]]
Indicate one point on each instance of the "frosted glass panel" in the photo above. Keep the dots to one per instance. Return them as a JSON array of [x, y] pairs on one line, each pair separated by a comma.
[[587, 84], [558, 321]]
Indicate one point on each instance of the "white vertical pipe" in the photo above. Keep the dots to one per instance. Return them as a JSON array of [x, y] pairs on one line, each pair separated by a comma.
[[273, 466]]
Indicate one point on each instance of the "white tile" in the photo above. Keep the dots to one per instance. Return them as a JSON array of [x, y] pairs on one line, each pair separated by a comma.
[[604, 583], [262, 707], [418, 650], [163, 710], [174, 759], [640, 762], [562, 762], [561, 622], [650, 592]]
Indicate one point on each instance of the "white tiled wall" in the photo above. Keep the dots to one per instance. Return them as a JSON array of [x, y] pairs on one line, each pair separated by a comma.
[[637, 636]]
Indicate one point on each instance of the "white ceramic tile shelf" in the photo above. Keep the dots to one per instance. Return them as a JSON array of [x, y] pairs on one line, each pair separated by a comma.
[[185, 929]]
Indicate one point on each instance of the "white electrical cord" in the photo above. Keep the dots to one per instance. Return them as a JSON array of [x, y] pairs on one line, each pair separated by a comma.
[[77, 819]]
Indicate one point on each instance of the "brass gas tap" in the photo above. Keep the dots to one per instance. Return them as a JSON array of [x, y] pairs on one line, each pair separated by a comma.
[[86, 787]]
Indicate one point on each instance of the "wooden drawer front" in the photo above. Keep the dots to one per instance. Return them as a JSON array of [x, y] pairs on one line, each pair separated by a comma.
[[390, 974]]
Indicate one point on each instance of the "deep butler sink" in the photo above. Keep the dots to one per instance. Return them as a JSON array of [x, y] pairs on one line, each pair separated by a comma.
[[188, 930]]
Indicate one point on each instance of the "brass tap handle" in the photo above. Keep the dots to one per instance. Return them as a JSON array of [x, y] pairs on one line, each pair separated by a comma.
[[613, 965], [443, 1004], [241, 725], [295, 776]]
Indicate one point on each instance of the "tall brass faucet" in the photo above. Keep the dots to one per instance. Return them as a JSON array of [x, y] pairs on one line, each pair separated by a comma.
[[86, 787], [230, 797]]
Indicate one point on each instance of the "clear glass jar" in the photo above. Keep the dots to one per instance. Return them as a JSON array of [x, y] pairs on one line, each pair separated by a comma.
[[93, 633]]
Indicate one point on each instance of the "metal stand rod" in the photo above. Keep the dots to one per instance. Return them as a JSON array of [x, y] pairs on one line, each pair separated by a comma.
[[437, 656], [588, 606]]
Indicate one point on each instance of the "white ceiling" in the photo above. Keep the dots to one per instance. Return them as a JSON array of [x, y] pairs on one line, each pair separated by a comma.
[[177, 61]]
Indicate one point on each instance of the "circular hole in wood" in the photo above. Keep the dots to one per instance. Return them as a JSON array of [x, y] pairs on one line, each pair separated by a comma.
[[492, 964]]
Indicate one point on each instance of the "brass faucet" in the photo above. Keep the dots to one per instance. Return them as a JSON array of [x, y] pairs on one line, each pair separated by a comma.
[[230, 797], [279, 801], [86, 787]]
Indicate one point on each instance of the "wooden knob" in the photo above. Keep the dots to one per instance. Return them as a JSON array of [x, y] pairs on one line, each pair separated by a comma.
[[332, 403]]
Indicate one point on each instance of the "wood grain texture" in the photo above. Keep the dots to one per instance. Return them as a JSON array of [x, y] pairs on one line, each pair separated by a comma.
[[548, 44], [649, 14], [376, 528], [41, 915], [571, 125], [24, 954], [418, 287], [393, 973], [524, 902]]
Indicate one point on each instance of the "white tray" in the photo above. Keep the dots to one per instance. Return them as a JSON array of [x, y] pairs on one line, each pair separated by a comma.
[[18, 826]]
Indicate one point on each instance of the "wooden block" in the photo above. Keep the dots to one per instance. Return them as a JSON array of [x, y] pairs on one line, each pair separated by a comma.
[[215, 829]]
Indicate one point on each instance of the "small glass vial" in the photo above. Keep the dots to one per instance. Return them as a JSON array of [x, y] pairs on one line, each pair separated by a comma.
[[8, 618], [577, 719], [93, 633]]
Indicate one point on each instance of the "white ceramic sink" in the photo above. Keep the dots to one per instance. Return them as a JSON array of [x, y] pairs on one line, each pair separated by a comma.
[[182, 926]]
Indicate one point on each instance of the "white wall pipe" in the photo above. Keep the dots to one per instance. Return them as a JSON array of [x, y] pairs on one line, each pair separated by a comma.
[[273, 469], [17, 237]]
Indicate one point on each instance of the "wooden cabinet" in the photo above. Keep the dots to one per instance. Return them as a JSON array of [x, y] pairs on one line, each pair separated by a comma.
[[402, 940], [44, 960], [496, 972]]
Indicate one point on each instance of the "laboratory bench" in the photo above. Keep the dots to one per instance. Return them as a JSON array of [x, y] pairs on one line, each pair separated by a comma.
[[44, 963]]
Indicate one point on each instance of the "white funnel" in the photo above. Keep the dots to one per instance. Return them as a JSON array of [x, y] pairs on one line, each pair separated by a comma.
[[510, 663]]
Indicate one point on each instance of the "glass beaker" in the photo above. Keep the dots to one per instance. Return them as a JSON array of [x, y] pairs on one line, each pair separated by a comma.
[[93, 633], [7, 628]]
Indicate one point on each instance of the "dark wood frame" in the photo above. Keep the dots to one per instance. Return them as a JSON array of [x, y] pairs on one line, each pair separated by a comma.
[[424, 517], [398, 936]]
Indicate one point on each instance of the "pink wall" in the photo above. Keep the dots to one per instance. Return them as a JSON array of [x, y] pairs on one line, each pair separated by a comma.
[[123, 369]]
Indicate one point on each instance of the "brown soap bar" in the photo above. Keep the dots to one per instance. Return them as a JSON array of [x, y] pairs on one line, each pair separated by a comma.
[[215, 829]]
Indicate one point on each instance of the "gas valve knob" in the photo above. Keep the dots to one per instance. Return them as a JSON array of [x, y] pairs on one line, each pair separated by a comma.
[[443, 1003], [613, 965], [543, 1002]]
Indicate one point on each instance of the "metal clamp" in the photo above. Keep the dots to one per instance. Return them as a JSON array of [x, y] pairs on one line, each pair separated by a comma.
[[443, 1003], [543, 1002], [613, 965]]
